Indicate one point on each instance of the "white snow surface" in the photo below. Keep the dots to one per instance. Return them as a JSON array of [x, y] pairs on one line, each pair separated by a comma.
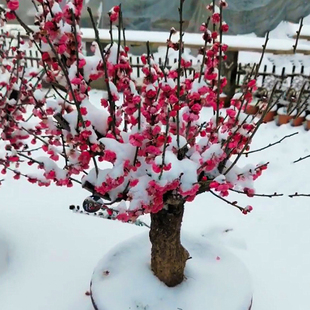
[[195, 39], [225, 280]]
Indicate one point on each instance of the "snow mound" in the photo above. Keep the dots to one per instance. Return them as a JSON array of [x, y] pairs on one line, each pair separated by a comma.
[[215, 279], [4, 261]]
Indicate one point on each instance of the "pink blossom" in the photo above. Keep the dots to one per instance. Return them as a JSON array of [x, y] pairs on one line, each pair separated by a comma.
[[203, 27], [247, 209], [123, 217], [10, 15], [252, 84], [216, 18], [231, 113], [156, 168], [249, 191], [134, 182], [83, 111], [136, 139], [109, 156], [13, 5], [225, 27]]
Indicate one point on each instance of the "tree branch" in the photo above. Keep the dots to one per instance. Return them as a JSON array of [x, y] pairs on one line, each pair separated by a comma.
[[299, 195], [111, 100], [270, 145], [298, 34], [300, 159], [179, 69], [62, 122], [218, 90], [234, 203], [262, 55], [258, 195]]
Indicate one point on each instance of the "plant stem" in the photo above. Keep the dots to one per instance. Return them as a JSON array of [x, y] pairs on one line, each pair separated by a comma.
[[111, 101], [179, 70], [262, 55], [298, 35], [219, 68]]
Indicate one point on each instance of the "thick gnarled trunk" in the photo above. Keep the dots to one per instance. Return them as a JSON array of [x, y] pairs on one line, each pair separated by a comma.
[[168, 255]]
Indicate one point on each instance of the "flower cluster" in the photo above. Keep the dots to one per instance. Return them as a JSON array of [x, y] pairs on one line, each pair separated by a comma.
[[137, 146]]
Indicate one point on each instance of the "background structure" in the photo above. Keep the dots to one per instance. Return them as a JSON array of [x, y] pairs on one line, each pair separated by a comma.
[[243, 16]]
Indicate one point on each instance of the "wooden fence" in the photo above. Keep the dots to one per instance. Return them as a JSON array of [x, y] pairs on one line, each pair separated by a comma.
[[33, 61]]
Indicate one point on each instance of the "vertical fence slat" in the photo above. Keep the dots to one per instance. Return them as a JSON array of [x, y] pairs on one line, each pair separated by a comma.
[[239, 74], [138, 67], [265, 74], [293, 74], [31, 58]]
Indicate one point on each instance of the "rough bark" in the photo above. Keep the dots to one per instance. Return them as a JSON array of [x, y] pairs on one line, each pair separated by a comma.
[[168, 257]]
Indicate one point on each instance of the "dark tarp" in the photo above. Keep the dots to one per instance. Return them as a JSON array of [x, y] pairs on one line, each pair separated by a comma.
[[243, 16]]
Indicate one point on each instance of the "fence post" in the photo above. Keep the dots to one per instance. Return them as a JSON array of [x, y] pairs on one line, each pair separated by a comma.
[[229, 69]]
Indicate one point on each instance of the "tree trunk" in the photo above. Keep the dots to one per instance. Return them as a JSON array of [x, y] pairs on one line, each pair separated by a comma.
[[168, 256]]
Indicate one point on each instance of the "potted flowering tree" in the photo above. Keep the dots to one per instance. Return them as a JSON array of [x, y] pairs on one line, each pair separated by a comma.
[[136, 152]]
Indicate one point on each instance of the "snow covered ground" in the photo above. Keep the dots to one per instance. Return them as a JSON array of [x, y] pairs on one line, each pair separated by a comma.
[[50, 253]]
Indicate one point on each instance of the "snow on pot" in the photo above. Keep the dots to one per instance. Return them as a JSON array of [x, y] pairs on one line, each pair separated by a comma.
[[214, 279], [283, 116], [224, 99]]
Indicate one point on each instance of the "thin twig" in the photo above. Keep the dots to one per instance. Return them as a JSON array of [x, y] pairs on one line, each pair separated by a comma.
[[204, 50], [258, 195], [179, 70], [262, 55], [31, 150], [300, 159], [167, 50], [165, 146], [234, 204], [298, 35], [111, 100], [218, 90], [119, 39], [299, 195], [271, 144]]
